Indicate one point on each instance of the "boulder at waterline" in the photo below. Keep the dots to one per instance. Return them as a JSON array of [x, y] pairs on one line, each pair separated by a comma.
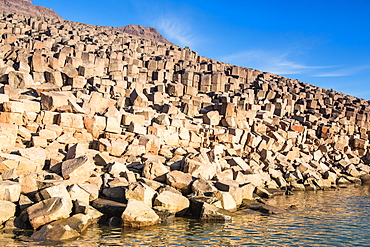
[[109, 207], [62, 229], [138, 214], [48, 210]]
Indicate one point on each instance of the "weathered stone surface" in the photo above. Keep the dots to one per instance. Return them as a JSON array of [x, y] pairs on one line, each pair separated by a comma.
[[50, 101], [63, 229], [77, 193], [175, 203], [146, 111], [20, 80], [10, 191], [180, 181], [47, 211], [138, 98], [227, 200], [151, 143], [138, 214], [56, 191], [108, 207], [175, 89], [198, 167], [203, 187], [77, 170], [141, 192], [205, 211], [212, 118], [268, 209], [155, 171], [7, 210], [117, 169]]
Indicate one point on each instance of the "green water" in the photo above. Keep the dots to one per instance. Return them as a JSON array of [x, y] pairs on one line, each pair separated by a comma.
[[330, 218]]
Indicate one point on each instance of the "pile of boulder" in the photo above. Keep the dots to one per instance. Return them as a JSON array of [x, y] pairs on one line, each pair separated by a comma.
[[97, 125]]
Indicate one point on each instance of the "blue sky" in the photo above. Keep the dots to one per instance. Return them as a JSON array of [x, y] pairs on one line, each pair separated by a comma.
[[325, 43]]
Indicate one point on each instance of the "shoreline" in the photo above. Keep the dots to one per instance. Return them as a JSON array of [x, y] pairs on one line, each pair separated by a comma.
[[191, 227]]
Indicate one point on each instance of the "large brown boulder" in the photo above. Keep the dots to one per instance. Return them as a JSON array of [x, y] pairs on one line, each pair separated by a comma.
[[63, 229], [47, 211]]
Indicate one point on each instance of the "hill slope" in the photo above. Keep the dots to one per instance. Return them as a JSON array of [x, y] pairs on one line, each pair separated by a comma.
[[25, 7]]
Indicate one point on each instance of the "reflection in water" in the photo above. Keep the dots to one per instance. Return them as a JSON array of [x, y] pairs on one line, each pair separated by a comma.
[[336, 218]]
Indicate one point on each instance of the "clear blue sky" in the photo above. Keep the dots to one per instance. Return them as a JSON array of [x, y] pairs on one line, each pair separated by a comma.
[[325, 43]]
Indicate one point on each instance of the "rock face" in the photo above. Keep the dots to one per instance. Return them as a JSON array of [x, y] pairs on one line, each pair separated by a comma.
[[97, 118]]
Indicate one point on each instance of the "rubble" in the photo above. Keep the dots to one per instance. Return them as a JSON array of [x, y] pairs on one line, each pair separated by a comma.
[[97, 122]]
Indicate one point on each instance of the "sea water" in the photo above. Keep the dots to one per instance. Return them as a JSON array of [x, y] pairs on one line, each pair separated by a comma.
[[321, 218]]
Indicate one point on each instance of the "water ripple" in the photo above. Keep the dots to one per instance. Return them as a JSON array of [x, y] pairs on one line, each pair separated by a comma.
[[330, 218]]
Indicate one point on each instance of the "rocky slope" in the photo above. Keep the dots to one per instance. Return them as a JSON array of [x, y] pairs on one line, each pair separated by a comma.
[[99, 124], [25, 7]]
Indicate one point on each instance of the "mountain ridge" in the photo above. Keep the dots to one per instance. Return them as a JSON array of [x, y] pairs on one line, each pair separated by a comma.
[[27, 8]]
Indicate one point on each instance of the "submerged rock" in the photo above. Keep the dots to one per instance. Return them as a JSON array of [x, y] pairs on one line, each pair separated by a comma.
[[365, 179], [268, 209]]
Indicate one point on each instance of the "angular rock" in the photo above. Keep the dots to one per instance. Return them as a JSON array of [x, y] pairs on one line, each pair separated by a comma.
[[56, 191], [7, 210], [63, 229], [203, 187], [10, 191], [207, 212], [138, 214], [180, 181], [109, 207], [155, 171], [141, 192], [175, 203], [47, 211], [227, 200], [77, 170], [212, 118]]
